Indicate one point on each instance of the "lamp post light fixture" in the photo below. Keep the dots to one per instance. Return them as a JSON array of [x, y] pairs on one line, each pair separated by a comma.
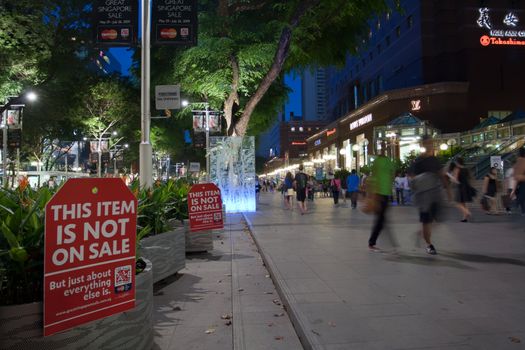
[[18, 102], [443, 147]]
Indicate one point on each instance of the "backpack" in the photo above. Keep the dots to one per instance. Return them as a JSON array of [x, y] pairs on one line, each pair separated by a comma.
[[301, 181]]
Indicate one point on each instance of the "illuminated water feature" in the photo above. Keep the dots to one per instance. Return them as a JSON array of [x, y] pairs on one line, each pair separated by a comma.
[[232, 169]]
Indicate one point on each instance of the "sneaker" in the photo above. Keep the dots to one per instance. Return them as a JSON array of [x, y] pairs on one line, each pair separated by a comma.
[[431, 250], [374, 249]]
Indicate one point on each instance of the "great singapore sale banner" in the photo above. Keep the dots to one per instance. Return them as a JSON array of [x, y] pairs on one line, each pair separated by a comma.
[[89, 258]]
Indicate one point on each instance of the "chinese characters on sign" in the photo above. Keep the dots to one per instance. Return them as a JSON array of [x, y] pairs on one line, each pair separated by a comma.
[[205, 207], [89, 258], [508, 34]]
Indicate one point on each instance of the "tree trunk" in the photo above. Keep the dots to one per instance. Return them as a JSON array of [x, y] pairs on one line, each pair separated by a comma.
[[233, 97], [283, 50]]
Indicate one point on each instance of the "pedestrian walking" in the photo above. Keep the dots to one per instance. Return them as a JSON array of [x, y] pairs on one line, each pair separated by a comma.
[[427, 185], [398, 184], [490, 190], [335, 186], [519, 177], [464, 191], [381, 188], [300, 182], [344, 186], [510, 185], [352, 183], [288, 190]]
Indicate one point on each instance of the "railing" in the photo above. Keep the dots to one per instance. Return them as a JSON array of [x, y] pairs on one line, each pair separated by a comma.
[[505, 150]]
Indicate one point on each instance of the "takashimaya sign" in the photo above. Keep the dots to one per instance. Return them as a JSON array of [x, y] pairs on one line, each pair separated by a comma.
[[502, 26], [361, 121]]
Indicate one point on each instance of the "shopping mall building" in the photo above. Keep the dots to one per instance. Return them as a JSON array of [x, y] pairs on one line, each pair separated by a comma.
[[453, 70]]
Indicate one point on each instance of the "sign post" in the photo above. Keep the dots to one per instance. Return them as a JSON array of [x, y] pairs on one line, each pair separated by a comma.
[[89, 258], [167, 97], [205, 207]]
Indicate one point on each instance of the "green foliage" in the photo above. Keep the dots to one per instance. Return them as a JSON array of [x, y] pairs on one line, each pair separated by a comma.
[[158, 206], [341, 174], [22, 213]]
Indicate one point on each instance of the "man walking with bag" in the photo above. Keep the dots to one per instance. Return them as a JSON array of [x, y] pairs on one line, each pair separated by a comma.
[[381, 190]]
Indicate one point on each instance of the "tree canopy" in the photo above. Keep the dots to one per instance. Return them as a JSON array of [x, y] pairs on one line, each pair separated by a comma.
[[245, 47]]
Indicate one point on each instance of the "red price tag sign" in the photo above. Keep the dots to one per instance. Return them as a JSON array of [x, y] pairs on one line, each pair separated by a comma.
[[205, 207], [89, 259]]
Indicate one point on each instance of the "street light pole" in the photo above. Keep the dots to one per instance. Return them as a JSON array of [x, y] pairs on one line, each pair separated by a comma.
[[145, 171], [4, 149], [207, 143]]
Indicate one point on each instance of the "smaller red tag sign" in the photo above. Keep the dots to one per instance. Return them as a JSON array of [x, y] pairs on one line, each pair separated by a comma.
[[205, 207]]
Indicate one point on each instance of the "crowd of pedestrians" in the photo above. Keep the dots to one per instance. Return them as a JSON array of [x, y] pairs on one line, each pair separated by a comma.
[[422, 185]]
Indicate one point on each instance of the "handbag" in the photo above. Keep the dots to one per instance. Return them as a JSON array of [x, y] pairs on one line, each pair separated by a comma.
[[290, 192], [371, 205]]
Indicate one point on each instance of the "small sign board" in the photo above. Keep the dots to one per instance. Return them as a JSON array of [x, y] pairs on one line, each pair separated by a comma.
[[115, 22], [205, 207], [89, 255], [195, 167], [174, 22], [496, 162], [167, 97]]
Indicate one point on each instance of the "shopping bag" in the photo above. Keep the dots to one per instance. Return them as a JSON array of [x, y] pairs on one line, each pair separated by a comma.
[[371, 205]]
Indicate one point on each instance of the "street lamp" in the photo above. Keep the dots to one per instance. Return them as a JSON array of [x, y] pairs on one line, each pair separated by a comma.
[[186, 103], [19, 103], [355, 148], [443, 147]]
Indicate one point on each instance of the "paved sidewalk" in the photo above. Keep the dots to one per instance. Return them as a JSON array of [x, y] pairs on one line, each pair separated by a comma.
[[341, 296], [222, 300]]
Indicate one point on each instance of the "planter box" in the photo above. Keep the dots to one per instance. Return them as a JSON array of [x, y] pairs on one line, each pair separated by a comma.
[[21, 326], [165, 251], [201, 241]]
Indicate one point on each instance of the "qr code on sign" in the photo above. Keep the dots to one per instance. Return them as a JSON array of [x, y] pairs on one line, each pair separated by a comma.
[[184, 31], [122, 275]]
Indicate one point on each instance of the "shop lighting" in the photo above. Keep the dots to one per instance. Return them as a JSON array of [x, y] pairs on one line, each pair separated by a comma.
[[342, 151], [308, 163], [355, 148], [422, 149]]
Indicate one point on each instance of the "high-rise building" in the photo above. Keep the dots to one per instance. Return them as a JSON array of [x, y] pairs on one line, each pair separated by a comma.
[[313, 84]]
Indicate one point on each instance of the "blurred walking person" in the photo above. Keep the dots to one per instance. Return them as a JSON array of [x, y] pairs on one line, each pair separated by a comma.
[[519, 177], [288, 190], [464, 191], [381, 189], [352, 184], [335, 185], [427, 185], [399, 185], [490, 189], [344, 187], [510, 185], [300, 182]]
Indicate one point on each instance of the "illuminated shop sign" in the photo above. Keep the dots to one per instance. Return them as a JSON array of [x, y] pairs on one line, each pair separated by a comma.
[[298, 143], [317, 142], [502, 29], [361, 121], [416, 105], [330, 132]]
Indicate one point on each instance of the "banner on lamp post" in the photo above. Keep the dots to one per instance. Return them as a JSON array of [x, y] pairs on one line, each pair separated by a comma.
[[174, 22], [115, 22], [89, 255]]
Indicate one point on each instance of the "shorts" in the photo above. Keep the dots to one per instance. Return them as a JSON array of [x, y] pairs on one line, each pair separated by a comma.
[[301, 194], [427, 217]]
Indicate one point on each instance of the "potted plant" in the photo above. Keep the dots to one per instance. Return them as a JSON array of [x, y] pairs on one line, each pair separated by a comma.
[[159, 241], [22, 216]]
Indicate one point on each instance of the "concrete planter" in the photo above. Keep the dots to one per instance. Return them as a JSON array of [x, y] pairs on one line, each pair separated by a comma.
[[21, 326], [201, 241], [165, 251]]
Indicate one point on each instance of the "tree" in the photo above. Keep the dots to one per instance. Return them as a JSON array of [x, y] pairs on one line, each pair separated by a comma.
[[246, 46]]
